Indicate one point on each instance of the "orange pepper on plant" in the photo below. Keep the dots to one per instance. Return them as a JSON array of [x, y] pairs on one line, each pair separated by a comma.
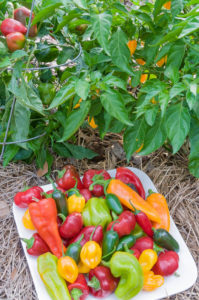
[[140, 61], [167, 5], [78, 104], [132, 46], [143, 78], [92, 123]]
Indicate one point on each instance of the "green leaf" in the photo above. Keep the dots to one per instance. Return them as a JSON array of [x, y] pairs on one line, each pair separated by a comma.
[[101, 26], [177, 125], [114, 81], [113, 103], [120, 53], [134, 137], [191, 99], [18, 54], [150, 115], [5, 62], [46, 12], [9, 154], [176, 7], [144, 17], [177, 89], [82, 88], [163, 99], [81, 3], [194, 143], [80, 152], [75, 120], [63, 95], [163, 51], [65, 54], [192, 26], [158, 7]]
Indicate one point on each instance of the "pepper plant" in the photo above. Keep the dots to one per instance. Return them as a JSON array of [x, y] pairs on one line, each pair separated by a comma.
[[136, 75]]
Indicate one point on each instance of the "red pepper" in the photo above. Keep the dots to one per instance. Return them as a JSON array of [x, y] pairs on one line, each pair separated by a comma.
[[135, 252], [79, 290], [58, 188], [11, 25], [20, 14], [166, 264], [67, 178], [15, 41], [144, 243], [23, 199], [35, 245], [71, 226], [87, 231], [128, 177], [86, 194], [126, 223], [101, 282], [144, 222], [98, 190]]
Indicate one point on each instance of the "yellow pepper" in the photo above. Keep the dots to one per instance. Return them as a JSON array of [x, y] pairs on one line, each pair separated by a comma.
[[167, 5], [75, 203], [78, 104], [91, 254], [162, 61], [83, 268], [27, 222], [67, 268], [152, 281], [147, 260], [143, 78], [132, 45]]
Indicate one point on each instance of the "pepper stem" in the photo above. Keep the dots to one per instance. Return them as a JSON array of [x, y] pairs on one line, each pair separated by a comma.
[[61, 173], [91, 237], [114, 224], [114, 249], [29, 242], [76, 294], [150, 192], [105, 263], [62, 217], [157, 249], [114, 215], [136, 211], [79, 241], [101, 182], [52, 182], [94, 283]]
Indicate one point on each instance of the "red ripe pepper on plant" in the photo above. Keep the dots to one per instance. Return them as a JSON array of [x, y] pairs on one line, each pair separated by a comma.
[[15, 41], [21, 14], [11, 26]]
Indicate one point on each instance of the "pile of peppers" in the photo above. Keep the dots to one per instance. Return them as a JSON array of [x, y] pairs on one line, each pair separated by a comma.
[[98, 235]]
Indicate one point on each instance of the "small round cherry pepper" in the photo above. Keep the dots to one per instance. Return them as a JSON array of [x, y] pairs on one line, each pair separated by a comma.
[[71, 226], [145, 243], [86, 194], [126, 223], [68, 177], [87, 232], [79, 290], [35, 245], [90, 175], [23, 199], [167, 263]]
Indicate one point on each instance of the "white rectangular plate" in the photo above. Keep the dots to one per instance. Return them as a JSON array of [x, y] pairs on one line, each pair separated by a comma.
[[173, 284]]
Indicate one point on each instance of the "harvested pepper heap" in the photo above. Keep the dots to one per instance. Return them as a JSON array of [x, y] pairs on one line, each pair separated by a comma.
[[99, 236]]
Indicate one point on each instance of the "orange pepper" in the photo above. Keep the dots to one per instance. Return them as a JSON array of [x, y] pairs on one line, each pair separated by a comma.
[[148, 259], [143, 78], [78, 104], [92, 123], [167, 5], [159, 202], [91, 254], [67, 268], [126, 194], [75, 203], [162, 61], [132, 46], [83, 268], [139, 149], [27, 222], [141, 61], [153, 101], [152, 281]]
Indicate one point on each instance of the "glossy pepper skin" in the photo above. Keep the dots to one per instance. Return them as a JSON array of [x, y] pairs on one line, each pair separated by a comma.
[[132, 45], [101, 282], [126, 223], [11, 26], [44, 217], [143, 221], [55, 285], [87, 231], [67, 178], [127, 176], [47, 92], [91, 254], [152, 281], [165, 240], [86, 194], [145, 243], [75, 203], [67, 268], [60, 200], [167, 263], [20, 14], [96, 212], [138, 231], [98, 190], [72, 225], [128, 240], [27, 222], [148, 259], [35, 245], [15, 41], [109, 244], [114, 203], [23, 199], [79, 290], [74, 250]]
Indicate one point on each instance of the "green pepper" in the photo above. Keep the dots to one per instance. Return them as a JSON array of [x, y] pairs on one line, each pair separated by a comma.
[[127, 267], [47, 92], [164, 239], [128, 240], [55, 284], [114, 203], [60, 200], [109, 244], [96, 212], [74, 250], [46, 53], [137, 231]]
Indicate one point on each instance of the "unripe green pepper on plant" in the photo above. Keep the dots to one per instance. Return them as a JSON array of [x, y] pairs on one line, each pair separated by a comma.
[[47, 92]]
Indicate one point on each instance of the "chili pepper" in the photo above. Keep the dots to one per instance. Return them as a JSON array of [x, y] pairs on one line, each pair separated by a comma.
[[67, 268], [159, 202], [91, 122], [101, 282], [87, 231], [148, 259], [137, 231], [127, 267], [114, 203], [167, 263], [67, 178], [143, 78], [110, 242], [60, 200], [88, 180], [15, 41], [91, 254], [23, 199], [152, 282], [140, 61], [83, 268], [55, 285], [44, 218], [47, 92], [27, 222], [76, 203], [129, 240], [96, 212], [79, 290], [35, 245], [145, 243], [20, 14], [132, 251], [132, 46], [126, 223], [86, 194], [127, 176], [74, 250], [11, 26], [164, 239], [167, 5], [71, 226]]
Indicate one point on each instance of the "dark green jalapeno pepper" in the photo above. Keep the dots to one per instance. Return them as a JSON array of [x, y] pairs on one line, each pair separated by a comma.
[[129, 240], [114, 203], [165, 240], [74, 250], [60, 200], [109, 244]]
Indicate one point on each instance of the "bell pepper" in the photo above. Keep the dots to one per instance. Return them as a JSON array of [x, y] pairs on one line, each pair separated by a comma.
[[127, 176], [87, 232], [96, 212], [71, 226], [46, 92], [74, 250], [114, 204], [86, 194], [164, 239], [145, 243], [83, 269], [27, 222], [126, 223], [23, 199], [67, 178], [128, 240], [152, 282], [159, 202], [109, 244], [11, 26], [67, 268], [75, 203], [88, 180], [15, 41], [143, 221], [35, 245], [127, 267], [79, 290], [167, 263], [101, 282], [91, 254], [148, 259], [20, 14], [44, 218], [55, 285]]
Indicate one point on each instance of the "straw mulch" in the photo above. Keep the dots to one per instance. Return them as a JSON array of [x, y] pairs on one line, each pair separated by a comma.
[[168, 172]]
